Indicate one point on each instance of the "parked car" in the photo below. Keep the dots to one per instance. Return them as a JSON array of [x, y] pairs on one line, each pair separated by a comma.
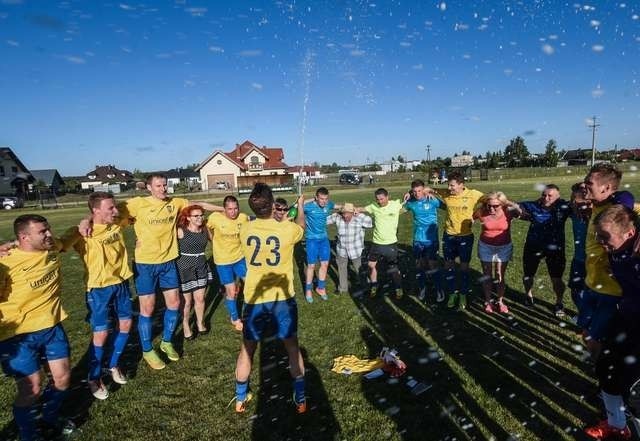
[[221, 185], [350, 178], [11, 202]]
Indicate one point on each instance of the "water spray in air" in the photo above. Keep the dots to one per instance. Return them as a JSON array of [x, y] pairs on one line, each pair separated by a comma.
[[307, 65]]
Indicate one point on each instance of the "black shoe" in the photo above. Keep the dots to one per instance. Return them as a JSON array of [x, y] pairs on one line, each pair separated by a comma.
[[191, 337], [558, 310], [203, 332], [59, 430], [528, 300]]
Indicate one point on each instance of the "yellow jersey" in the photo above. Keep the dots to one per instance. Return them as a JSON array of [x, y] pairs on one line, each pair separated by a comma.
[[30, 291], [268, 249], [155, 227], [226, 237], [599, 277], [104, 254], [460, 210]]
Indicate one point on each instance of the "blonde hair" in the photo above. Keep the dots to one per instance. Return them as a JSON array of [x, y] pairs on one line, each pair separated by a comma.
[[498, 195]]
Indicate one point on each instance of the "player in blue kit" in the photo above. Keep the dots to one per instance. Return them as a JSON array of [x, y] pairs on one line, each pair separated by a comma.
[[424, 208], [317, 240]]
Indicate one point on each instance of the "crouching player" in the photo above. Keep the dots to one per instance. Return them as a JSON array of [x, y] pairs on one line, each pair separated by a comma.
[[31, 327], [107, 277], [617, 366], [268, 293]]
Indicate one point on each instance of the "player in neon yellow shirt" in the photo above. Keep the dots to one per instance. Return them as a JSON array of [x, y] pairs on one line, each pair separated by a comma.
[[268, 293], [107, 275], [155, 224], [386, 214], [227, 252], [31, 325], [457, 239]]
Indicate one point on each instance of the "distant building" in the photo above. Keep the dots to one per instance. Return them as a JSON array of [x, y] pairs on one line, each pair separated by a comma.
[[462, 161], [49, 178], [106, 176], [243, 166], [576, 157], [183, 176], [14, 176]]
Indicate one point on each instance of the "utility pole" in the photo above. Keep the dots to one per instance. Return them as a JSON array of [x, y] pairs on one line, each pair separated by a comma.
[[428, 149], [593, 126]]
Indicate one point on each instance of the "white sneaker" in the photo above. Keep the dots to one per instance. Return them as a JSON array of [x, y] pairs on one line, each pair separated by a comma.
[[422, 294], [98, 389], [117, 375], [440, 296]]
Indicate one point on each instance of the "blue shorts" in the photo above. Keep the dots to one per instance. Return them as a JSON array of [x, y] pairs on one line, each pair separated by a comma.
[[318, 250], [457, 246], [229, 273], [99, 301], [595, 312], [21, 355], [149, 276], [577, 274], [426, 250], [258, 319]]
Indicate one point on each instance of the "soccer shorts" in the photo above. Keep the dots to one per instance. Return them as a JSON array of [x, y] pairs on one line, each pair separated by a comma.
[[457, 246], [596, 312], [229, 273], [553, 256], [426, 250], [389, 253], [100, 300], [149, 276], [260, 318], [318, 250]]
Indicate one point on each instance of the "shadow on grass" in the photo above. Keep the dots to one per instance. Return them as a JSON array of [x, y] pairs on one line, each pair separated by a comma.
[[275, 417]]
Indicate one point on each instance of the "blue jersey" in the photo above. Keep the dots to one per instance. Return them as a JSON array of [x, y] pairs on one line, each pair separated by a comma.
[[579, 226], [625, 267], [316, 219], [547, 223], [425, 219]]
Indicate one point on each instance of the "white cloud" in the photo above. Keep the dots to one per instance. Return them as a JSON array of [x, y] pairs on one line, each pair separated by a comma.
[[13, 43], [256, 86], [548, 49], [197, 12], [420, 87], [250, 53], [597, 48], [357, 53], [73, 59], [126, 7], [216, 49]]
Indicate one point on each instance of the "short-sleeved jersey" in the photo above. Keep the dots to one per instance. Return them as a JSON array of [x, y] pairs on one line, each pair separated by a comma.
[[268, 249], [425, 219], [104, 254], [30, 292], [226, 237], [316, 219], [385, 228], [547, 223], [460, 210], [155, 227]]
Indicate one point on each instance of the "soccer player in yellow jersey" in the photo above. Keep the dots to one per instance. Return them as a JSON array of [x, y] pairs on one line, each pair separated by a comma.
[[457, 239], [107, 283], [598, 302], [227, 253], [31, 326], [268, 293], [155, 224]]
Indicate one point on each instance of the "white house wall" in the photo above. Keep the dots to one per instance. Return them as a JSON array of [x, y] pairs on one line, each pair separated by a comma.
[[213, 168]]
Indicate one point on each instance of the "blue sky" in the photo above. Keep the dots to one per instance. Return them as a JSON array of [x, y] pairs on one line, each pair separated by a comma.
[[163, 84]]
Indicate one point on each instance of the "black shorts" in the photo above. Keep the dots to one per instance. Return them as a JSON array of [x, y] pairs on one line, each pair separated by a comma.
[[389, 253], [553, 256]]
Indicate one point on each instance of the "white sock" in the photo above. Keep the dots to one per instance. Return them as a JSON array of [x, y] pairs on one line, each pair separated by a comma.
[[615, 410]]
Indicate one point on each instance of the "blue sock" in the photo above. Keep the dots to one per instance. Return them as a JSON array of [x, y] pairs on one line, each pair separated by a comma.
[[232, 308], [614, 405], [170, 321], [51, 402], [436, 279], [322, 284], [450, 279], [144, 331], [118, 348], [464, 282], [373, 284], [26, 421], [298, 389], [95, 361], [422, 279], [242, 387], [308, 286]]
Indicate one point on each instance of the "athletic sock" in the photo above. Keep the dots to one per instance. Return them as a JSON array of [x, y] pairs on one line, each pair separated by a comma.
[[232, 308], [308, 286], [464, 281], [436, 279], [298, 389], [118, 348], [322, 284], [422, 279], [95, 361], [242, 387], [144, 331], [450, 279], [52, 399], [26, 421], [373, 284], [170, 321], [615, 410]]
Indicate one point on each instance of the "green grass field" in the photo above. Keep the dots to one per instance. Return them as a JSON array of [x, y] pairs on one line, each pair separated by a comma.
[[520, 376]]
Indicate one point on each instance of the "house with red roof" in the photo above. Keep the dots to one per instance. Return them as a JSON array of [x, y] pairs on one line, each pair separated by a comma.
[[244, 166]]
